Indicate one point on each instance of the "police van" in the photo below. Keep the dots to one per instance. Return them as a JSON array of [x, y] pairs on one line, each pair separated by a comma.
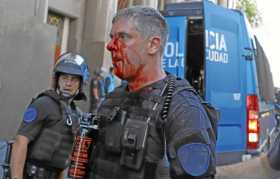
[[213, 48]]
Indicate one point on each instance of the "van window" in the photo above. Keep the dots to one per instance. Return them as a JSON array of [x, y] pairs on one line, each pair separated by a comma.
[[264, 74]]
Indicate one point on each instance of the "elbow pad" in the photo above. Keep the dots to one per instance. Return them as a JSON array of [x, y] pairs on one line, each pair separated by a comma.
[[192, 153]]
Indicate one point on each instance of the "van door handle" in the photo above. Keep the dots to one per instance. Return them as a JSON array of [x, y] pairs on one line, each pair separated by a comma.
[[249, 54], [248, 57]]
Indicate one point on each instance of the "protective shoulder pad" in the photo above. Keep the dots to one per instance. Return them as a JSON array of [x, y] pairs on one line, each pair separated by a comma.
[[50, 93]]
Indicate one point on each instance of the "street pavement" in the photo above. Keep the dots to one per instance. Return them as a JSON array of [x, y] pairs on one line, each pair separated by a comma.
[[256, 168]]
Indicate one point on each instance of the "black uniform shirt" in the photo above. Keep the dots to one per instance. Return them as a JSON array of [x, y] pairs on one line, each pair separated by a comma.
[[35, 116]]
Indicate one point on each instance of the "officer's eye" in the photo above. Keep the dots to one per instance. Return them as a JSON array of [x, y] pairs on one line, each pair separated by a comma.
[[111, 36], [124, 36], [75, 79], [63, 77]]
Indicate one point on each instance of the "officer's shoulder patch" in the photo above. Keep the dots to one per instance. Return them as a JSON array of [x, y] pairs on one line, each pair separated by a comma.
[[194, 158], [30, 114]]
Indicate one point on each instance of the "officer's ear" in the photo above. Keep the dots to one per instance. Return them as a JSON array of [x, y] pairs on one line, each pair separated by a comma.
[[154, 45]]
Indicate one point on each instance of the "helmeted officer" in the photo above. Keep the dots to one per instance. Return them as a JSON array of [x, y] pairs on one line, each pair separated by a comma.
[[44, 140], [144, 120]]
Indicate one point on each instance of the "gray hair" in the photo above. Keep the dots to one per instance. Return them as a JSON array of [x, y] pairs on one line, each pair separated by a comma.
[[148, 22]]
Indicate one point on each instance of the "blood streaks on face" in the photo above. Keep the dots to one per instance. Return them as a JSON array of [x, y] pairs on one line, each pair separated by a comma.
[[116, 47], [127, 61]]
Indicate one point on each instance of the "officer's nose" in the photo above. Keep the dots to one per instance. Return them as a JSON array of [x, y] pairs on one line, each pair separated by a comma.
[[112, 45], [68, 82]]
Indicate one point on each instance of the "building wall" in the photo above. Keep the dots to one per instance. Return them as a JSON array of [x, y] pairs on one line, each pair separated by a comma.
[[71, 8], [21, 10], [27, 49], [75, 10], [98, 18], [228, 3]]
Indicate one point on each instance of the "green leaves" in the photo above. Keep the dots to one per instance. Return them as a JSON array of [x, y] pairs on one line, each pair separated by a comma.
[[250, 9]]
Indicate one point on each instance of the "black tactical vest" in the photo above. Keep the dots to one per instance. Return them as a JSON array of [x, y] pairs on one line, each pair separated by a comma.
[[128, 145], [122, 151], [54, 144]]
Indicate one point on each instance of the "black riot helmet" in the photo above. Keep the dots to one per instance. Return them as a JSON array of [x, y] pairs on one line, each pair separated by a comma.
[[73, 64]]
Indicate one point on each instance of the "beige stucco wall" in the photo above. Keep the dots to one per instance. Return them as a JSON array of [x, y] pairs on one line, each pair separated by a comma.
[[27, 52]]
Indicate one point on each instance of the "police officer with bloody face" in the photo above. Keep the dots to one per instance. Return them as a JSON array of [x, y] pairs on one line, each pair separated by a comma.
[[134, 136], [44, 140]]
